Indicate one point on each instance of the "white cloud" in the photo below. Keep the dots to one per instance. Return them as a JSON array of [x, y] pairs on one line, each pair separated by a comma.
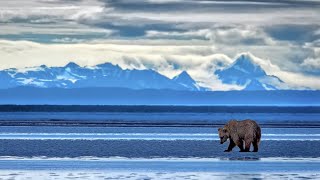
[[232, 35], [51, 12], [163, 1], [246, 35], [202, 33], [312, 63], [60, 29], [271, 17], [299, 80]]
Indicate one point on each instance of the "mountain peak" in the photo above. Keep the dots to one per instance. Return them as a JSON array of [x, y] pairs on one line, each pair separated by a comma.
[[245, 58], [108, 65], [184, 77], [184, 73], [43, 66], [241, 70], [186, 80], [72, 65], [246, 64], [244, 71]]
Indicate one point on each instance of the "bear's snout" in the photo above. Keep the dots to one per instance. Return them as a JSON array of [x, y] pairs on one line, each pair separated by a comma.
[[221, 140]]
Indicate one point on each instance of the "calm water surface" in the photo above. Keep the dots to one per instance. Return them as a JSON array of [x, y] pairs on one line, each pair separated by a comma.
[[80, 152]]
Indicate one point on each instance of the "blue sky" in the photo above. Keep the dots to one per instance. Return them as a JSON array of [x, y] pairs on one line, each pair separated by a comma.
[[166, 35]]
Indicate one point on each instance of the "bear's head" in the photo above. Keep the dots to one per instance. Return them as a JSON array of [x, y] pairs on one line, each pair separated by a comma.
[[223, 135]]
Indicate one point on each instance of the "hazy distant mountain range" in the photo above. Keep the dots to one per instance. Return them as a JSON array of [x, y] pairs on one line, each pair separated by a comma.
[[243, 72], [102, 75]]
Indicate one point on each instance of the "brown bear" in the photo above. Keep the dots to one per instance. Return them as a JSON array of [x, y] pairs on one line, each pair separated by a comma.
[[241, 133]]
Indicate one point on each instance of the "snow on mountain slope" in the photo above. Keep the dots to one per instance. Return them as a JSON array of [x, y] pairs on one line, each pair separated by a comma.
[[74, 76], [245, 72]]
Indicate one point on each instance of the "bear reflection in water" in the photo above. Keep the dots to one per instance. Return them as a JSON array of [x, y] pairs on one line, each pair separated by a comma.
[[241, 134], [240, 159]]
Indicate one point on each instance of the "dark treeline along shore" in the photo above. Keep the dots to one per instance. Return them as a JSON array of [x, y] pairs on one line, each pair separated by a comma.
[[159, 109]]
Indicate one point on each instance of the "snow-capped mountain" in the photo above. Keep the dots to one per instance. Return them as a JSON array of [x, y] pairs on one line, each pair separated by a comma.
[[245, 72], [185, 80], [103, 75]]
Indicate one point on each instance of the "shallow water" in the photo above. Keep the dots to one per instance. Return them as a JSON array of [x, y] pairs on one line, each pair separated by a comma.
[[159, 152], [209, 117], [145, 175], [150, 133], [142, 142], [158, 168]]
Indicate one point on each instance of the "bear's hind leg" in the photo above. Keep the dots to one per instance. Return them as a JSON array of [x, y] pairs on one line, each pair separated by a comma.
[[247, 145], [255, 146]]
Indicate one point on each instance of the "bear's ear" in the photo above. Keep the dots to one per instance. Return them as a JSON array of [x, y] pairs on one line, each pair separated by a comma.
[[219, 129]]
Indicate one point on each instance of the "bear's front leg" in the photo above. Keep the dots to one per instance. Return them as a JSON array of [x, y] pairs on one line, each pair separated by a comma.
[[240, 145], [231, 146]]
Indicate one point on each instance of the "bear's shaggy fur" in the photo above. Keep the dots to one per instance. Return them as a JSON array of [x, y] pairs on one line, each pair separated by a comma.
[[241, 133]]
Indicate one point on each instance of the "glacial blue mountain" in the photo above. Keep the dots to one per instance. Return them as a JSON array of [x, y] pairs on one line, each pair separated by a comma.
[[185, 80], [245, 72], [103, 75]]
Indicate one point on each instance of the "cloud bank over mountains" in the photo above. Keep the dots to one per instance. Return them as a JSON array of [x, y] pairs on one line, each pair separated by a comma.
[[168, 36]]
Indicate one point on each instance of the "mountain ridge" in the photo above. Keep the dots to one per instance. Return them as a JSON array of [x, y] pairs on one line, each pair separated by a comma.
[[186, 80], [245, 72], [102, 75]]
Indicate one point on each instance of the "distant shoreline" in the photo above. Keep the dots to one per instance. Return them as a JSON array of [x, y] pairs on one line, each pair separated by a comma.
[[107, 123], [161, 108]]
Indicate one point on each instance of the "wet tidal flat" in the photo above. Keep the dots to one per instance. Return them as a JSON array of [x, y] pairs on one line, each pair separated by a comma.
[[154, 145], [153, 153]]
